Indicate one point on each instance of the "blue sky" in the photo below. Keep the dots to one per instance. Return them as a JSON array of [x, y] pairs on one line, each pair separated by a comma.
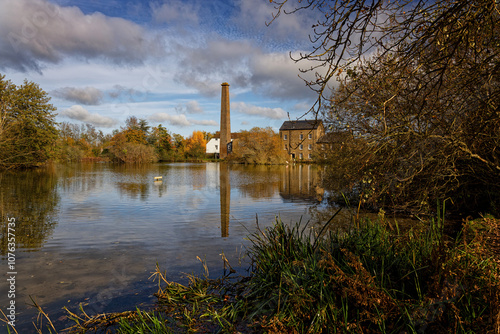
[[163, 61]]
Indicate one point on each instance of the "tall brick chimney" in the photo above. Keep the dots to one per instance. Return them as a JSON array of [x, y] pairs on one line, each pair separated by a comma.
[[225, 122]]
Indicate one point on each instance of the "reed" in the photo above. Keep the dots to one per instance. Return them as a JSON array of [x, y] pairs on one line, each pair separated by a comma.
[[373, 280]]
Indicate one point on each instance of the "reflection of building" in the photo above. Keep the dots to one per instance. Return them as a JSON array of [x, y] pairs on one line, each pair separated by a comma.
[[225, 199], [301, 182], [299, 137]]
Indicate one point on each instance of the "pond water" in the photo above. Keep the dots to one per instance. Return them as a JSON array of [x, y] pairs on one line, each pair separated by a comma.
[[93, 233]]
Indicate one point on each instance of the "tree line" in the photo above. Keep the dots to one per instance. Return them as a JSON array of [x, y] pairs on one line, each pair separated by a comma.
[[30, 136], [136, 142]]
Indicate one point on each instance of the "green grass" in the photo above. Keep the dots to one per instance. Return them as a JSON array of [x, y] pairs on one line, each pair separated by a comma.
[[144, 323]]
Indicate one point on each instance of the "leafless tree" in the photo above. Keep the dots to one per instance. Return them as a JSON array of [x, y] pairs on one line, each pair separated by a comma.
[[419, 83]]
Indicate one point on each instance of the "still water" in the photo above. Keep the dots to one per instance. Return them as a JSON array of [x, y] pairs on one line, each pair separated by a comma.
[[93, 233]]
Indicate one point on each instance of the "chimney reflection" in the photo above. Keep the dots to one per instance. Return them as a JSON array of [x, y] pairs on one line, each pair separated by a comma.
[[225, 198]]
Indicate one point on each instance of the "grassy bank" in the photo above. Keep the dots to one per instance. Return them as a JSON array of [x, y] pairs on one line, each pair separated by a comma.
[[373, 279]]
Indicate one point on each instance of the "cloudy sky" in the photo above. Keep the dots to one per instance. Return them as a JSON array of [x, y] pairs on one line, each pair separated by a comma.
[[163, 60]]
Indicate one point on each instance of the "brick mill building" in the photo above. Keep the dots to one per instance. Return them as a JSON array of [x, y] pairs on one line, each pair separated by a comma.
[[300, 138]]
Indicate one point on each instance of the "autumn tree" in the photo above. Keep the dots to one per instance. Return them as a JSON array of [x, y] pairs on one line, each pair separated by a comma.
[[196, 145], [77, 142], [27, 126], [207, 135], [130, 144], [136, 130], [258, 146], [419, 83]]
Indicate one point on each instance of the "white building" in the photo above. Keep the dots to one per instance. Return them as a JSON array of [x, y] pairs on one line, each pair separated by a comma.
[[213, 146]]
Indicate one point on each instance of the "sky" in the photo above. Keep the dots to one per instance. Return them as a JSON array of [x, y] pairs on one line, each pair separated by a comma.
[[163, 61]]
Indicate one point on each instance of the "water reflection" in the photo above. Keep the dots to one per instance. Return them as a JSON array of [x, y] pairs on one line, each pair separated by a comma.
[[225, 199], [103, 227], [31, 198], [301, 182], [257, 182], [137, 181], [294, 183]]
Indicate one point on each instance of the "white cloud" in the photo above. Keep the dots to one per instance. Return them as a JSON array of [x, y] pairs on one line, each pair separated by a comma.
[[302, 107], [277, 75], [191, 107], [205, 122], [119, 90], [37, 32], [87, 95], [255, 16], [175, 11], [273, 113], [205, 68], [79, 113], [179, 120], [245, 66]]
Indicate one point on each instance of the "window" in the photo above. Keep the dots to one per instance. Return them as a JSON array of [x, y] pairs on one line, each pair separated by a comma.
[[286, 146], [284, 137], [322, 146], [310, 156], [301, 156], [301, 136], [216, 147], [310, 136], [301, 146], [310, 147]]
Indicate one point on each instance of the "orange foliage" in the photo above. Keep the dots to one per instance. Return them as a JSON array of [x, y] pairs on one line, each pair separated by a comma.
[[135, 136], [195, 145], [259, 146]]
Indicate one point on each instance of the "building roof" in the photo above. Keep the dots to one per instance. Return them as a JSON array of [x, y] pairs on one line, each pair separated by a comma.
[[334, 137], [301, 125]]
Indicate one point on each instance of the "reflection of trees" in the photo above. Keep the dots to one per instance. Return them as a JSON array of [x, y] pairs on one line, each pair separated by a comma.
[[29, 196], [260, 188], [134, 189], [301, 183], [257, 181], [137, 181], [80, 177], [133, 170]]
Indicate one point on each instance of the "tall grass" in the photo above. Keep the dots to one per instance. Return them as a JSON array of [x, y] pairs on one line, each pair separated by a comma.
[[369, 280], [372, 280]]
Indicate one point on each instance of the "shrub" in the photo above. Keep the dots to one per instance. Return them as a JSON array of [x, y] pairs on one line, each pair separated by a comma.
[[133, 153]]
